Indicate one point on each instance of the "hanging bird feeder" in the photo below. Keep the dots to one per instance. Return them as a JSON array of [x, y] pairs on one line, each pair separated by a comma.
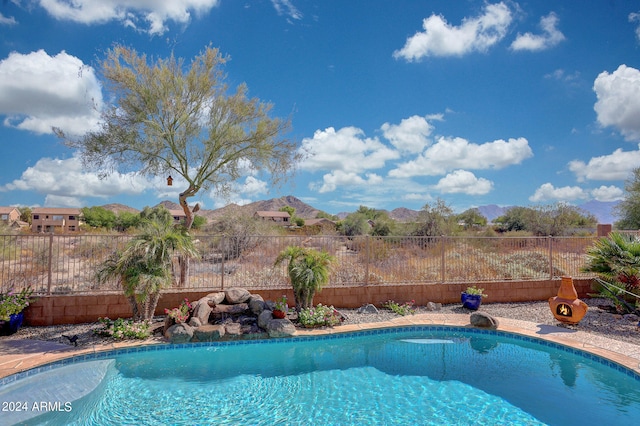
[[169, 181]]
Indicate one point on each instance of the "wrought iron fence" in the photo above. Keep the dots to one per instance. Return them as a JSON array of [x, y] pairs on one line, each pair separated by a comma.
[[55, 264]]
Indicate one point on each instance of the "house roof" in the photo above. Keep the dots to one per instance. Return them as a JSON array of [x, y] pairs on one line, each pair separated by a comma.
[[55, 210], [7, 210], [179, 213], [266, 213]]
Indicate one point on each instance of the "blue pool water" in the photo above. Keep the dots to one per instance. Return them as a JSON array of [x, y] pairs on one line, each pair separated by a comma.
[[404, 376]]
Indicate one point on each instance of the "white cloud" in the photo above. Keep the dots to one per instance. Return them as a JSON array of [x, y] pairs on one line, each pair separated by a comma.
[[7, 21], [63, 201], [38, 91], [616, 166], [338, 178], [618, 103], [411, 135], [551, 36], [285, 7], [607, 193], [464, 182], [442, 39], [129, 12], [458, 153], [66, 178], [635, 17], [547, 192], [345, 150]]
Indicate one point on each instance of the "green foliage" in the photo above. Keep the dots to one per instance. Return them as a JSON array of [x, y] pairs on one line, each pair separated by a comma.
[[476, 290], [354, 224], [98, 217], [435, 220], [616, 260], [308, 270], [170, 116], [25, 214], [281, 304], [13, 303], [124, 329], [127, 220], [144, 268], [181, 313], [472, 218], [629, 209], [319, 316], [553, 220], [159, 214], [400, 309], [199, 222]]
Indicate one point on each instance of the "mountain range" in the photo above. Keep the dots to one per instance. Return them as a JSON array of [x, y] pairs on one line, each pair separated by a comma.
[[603, 211]]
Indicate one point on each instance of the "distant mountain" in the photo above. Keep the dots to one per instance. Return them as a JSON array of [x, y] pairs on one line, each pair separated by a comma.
[[117, 208], [403, 214], [492, 211], [169, 205], [303, 209], [604, 211]]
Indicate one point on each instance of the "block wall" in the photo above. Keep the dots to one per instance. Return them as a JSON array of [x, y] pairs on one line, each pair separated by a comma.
[[75, 309]]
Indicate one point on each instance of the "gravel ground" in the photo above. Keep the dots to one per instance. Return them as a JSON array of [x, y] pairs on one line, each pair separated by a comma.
[[597, 321]]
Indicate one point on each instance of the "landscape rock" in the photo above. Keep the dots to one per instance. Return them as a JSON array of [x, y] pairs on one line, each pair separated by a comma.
[[280, 328], [194, 322], [209, 333], [256, 304], [233, 329], [179, 333], [264, 318], [215, 298], [231, 309], [432, 306], [201, 311], [483, 320], [367, 309], [236, 295]]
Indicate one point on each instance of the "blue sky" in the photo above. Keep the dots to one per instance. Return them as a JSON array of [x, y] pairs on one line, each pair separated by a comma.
[[398, 103]]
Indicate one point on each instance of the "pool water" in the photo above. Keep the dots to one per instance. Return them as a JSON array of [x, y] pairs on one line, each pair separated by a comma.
[[417, 375]]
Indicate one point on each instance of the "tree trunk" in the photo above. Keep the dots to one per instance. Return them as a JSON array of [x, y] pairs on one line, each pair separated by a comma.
[[182, 260], [134, 307]]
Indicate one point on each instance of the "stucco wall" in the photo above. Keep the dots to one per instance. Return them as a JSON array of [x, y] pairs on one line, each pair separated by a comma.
[[75, 309]]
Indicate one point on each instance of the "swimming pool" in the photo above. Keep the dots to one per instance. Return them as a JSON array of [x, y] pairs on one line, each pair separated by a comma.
[[406, 375]]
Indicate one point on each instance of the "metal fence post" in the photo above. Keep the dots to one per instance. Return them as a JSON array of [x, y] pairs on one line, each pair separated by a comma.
[[222, 263], [443, 240], [367, 260], [50, 264], [550, 257]]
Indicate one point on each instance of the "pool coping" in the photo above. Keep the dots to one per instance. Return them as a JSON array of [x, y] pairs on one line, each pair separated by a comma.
[[17, 356]]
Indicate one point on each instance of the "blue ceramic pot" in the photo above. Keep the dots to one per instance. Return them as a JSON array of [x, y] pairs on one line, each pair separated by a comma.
[[12, 326], [471, 301]]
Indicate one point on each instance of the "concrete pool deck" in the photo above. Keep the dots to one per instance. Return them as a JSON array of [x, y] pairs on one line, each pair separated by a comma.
[[21, 355]]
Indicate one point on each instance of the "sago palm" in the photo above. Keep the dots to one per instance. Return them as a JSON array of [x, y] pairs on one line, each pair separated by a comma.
[[308, 270], [616, 260], [144, 268]]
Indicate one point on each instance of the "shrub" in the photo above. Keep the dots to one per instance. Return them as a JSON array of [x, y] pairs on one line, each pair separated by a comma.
[[319, 316], [404, 309], [124, 329]]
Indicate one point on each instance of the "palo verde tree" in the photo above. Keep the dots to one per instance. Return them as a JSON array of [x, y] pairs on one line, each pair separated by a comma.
[[629, 208], [172, 118]]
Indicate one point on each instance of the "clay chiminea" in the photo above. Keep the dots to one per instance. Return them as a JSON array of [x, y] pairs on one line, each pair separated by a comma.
[[566, 307]]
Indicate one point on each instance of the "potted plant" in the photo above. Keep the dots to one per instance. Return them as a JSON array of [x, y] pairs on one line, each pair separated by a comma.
[[281, 308], [12, 306], [472, 298]]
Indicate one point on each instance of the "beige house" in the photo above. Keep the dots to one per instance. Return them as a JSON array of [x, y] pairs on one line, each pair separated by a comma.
[[9, 215], [179, 216], [280, 218], [49, 219]]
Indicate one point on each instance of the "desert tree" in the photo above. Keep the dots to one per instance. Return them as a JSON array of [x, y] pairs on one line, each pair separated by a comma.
[[167, 117], [629, 209]]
